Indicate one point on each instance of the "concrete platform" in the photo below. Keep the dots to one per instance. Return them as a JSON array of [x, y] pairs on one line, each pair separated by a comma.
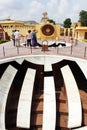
[[75, 50], [38, 57]]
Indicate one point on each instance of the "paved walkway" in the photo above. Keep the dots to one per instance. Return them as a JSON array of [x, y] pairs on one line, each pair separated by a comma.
[[8, 50]]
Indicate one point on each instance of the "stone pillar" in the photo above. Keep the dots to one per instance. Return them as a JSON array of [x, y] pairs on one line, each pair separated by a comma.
[[4, 37], [64, 33]]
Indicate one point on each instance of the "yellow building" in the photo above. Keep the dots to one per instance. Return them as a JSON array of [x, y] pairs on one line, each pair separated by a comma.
[[9, 25], [45, 29], [48, 31], [79, 31]]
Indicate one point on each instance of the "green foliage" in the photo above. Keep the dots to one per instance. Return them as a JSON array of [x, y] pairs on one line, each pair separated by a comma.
[[51, 21], [67, 23], [3, 41], [84, 40], [83, 17]]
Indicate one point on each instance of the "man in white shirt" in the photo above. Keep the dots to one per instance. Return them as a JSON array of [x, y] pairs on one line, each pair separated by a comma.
[[17, 38]]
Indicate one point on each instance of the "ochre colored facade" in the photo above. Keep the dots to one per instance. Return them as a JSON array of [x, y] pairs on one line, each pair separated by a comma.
[[9, 25], [45, 29], [79, 31], [50, 35]]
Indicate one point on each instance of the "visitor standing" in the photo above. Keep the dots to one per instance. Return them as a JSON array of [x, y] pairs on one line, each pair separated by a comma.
[[34, 38], [17, 37], [28, 38], [13, 37]]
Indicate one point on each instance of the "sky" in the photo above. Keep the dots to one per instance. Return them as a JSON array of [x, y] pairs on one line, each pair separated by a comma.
[[58, 10]]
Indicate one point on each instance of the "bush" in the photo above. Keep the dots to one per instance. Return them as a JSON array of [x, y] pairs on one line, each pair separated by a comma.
[[3, 41]]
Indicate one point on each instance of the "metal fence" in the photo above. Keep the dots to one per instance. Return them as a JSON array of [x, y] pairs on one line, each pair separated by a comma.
[[79, 51]]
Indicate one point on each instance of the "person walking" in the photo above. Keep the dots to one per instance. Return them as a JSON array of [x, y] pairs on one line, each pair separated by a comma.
[[28, 38]]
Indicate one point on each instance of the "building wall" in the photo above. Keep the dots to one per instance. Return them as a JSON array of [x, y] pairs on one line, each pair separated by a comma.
[[54, 36], [80, 34], [79, 31], [9, 25], [17, 26]]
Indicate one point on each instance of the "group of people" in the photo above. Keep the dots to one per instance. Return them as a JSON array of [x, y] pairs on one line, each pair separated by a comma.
[[31, 38]]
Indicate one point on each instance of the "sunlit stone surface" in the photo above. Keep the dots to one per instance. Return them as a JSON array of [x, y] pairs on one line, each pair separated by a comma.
[[74, 101], [45, 90]]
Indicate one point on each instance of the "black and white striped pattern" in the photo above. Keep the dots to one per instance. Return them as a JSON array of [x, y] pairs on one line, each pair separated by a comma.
[[21, 83]]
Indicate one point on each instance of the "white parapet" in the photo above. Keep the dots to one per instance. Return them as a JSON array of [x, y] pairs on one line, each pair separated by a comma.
[[25, 100], [49, 108], [81, 128], [5, 83], [74, 102]]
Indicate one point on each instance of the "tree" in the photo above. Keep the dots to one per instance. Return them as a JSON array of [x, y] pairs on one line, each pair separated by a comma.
[[67, 23], [83, 17], [51, 21]]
